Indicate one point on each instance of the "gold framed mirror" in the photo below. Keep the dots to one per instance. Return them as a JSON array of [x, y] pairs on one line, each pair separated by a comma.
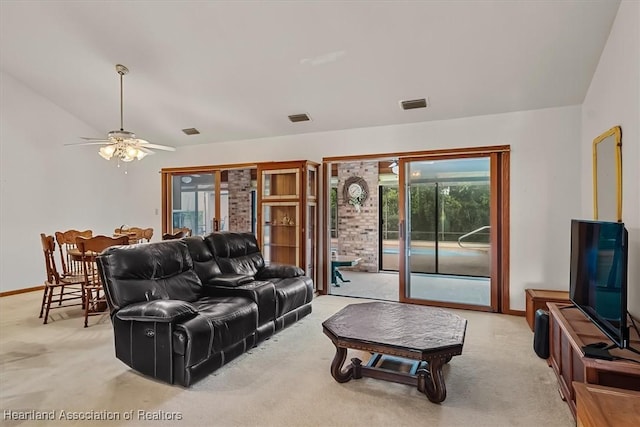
[[607, 175]]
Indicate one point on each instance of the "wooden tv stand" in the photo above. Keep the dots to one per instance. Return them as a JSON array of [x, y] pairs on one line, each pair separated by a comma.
[[569, 330]]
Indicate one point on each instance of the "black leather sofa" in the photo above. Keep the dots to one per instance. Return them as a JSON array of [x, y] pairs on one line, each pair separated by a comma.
[[183, 308]]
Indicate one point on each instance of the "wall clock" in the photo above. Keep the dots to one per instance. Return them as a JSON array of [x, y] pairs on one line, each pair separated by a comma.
[[355, 191]]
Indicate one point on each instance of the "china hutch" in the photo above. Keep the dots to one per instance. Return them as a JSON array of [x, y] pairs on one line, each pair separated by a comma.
[[288, 213]]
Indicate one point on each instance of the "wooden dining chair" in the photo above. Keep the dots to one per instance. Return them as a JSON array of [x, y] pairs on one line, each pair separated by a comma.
[[136, 234], [186, 230], [95, 302], [174, 236], [147, 234], [71, 265], [69, 287]]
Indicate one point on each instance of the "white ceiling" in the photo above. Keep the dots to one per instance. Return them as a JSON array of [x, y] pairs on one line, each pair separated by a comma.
[[235, 70]]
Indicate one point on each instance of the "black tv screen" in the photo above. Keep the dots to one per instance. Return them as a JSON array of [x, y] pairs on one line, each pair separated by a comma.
[[598, 275]]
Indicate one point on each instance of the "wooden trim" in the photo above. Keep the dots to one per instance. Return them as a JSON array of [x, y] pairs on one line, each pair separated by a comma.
[[166, 206], [505, 227], [211, 168], [456, 152], [21, 291], [402, 238], [447, 304], [326, 227], [494, 221], [217, 185], [514, 312], [207, 168]]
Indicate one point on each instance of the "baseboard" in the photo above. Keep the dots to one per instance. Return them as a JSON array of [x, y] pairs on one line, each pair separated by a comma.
[[21, 291], [515, 312]]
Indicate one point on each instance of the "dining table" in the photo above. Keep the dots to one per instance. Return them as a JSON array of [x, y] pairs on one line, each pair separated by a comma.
[[341, 261]]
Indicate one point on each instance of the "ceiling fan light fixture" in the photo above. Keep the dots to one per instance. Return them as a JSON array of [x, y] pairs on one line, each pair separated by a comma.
[[132, 151], [107, 151]]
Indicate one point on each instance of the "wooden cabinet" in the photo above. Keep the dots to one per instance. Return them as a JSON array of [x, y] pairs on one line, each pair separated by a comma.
[[599, 406], [538, 299], [287, 213], [569, 331]]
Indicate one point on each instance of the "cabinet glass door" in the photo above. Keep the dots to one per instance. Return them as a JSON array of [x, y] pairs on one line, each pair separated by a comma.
[[280, 233], [310, 238], [312, 183], [280, 184]]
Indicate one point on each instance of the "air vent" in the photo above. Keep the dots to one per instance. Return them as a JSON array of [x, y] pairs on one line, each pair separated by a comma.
[[299, 118], [191, 131], [413, 103]]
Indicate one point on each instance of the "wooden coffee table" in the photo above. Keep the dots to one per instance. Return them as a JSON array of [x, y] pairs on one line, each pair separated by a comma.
[[428, 335]]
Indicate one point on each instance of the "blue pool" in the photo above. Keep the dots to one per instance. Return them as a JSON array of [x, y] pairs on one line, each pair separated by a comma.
[[431, 252]]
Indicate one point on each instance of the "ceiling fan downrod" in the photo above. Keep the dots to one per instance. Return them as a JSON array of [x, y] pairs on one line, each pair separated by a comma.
[[122, 70]]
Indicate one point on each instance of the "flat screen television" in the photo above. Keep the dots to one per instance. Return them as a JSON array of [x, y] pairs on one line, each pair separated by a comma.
[[598, 275]]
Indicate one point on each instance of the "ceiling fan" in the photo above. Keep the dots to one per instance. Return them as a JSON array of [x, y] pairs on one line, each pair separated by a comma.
[[122, 144]]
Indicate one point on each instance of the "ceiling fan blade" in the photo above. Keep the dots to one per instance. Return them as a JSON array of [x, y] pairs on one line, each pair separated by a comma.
[[146, 144], [145, 150], [93, 139], [104, 142]]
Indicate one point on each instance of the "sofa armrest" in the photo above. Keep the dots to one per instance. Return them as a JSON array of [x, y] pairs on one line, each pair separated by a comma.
[[229, 280], [282, 271], [160, 310]]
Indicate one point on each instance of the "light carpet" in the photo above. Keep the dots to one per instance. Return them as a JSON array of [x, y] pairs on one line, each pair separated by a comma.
[[285, 381]]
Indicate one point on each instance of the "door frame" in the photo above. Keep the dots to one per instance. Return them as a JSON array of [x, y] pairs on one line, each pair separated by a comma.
[[499, 217]]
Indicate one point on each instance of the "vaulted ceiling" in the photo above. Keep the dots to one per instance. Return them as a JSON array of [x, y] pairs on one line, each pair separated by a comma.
[[236, 70]]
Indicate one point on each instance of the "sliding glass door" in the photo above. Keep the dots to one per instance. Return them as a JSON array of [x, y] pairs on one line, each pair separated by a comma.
[[446, 232]]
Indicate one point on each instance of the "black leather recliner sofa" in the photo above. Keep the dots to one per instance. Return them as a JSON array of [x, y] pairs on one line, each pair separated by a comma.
[[183, 308]]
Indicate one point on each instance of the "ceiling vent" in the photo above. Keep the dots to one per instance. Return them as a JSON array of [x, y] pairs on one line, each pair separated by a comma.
[[191, 131], [413, 103], [299, 118]]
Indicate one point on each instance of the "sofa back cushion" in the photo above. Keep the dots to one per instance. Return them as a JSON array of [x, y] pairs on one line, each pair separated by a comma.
[[204, 263], [237, 253], [136, 273]]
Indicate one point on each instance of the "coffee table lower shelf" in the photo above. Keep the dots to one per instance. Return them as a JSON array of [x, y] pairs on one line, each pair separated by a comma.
[[425, 375]]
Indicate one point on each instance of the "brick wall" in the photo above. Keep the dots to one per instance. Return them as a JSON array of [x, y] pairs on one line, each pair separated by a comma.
[[239, 186], [358, 231]]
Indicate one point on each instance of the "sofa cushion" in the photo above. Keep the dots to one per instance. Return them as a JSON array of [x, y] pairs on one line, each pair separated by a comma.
[[204, 263], [136, 273], [233, 318], [292, 293], [236, 253]]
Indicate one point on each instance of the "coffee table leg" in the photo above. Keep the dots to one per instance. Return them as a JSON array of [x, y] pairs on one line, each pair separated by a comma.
[[431, 381], [336, 366]]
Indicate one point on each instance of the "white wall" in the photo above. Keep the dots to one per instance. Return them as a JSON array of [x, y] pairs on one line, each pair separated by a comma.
[[614, 99], [545, 176], [46, 187]]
